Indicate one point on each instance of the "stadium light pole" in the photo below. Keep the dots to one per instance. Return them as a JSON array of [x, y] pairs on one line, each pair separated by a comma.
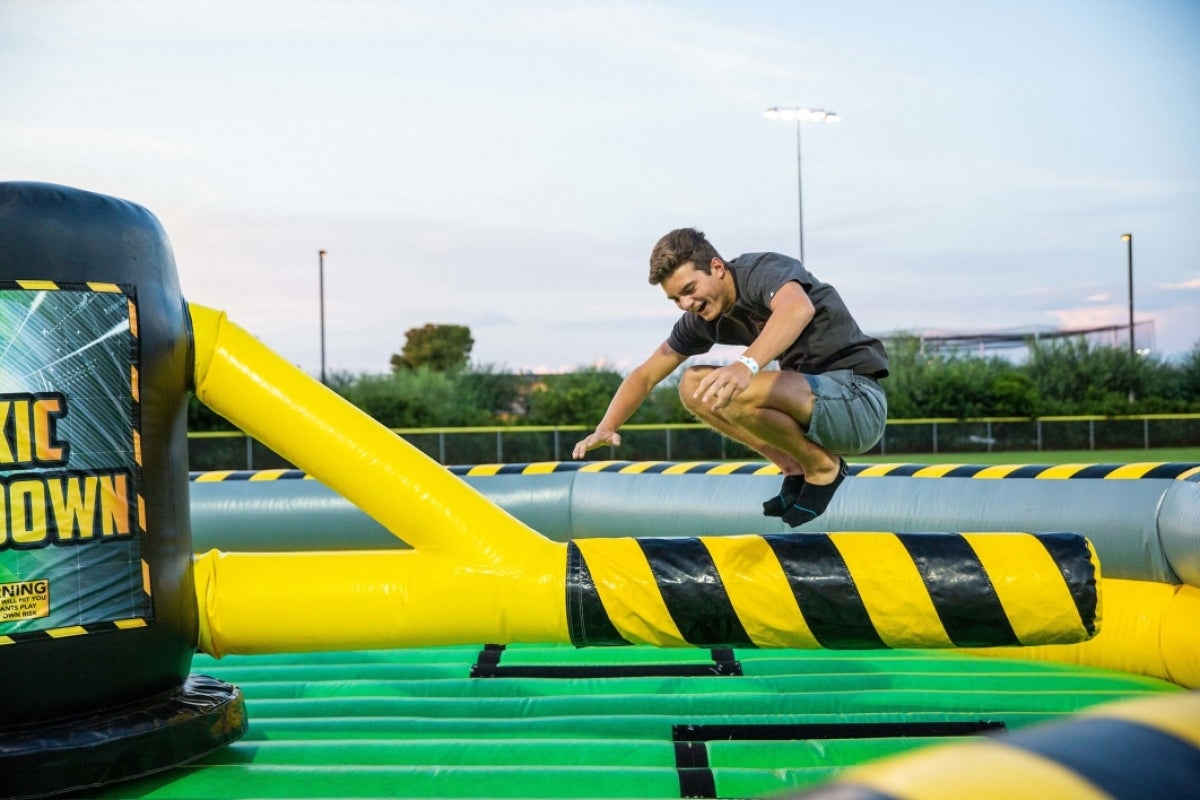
[[1127, 238], [321, 289], [799, 115]]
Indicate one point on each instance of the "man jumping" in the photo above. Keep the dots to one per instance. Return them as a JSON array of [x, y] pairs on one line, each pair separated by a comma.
[[824, 402]]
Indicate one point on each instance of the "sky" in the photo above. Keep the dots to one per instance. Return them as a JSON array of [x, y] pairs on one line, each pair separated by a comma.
[[509, 165]]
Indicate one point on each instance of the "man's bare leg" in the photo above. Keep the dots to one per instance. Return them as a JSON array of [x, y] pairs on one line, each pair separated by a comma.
[[716, 420], [771, 416], [793, 472]]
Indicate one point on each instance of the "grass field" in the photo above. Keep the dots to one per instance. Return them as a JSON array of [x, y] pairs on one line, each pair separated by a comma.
[[1176, 454]]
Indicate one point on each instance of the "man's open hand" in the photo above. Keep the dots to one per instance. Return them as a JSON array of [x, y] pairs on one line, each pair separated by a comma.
[[719, 387], [597, 439]]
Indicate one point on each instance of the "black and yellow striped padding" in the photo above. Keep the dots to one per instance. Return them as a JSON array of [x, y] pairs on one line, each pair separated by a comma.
[[257, 476], [1161, 470], [1147, 747], [74, 630], [65, 286], [835, 590], [1150, 469]]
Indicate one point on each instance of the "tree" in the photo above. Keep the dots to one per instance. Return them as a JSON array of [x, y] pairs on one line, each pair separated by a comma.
[[1074, 377], [663, 405], [573, 398], [940, 384], [903, 386], [415, 398], [202, 418], [494, 390], [441, 348], [1189, 373], [1013, 394]]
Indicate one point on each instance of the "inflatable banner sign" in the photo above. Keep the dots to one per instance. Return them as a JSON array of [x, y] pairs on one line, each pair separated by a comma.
[[71, 514]]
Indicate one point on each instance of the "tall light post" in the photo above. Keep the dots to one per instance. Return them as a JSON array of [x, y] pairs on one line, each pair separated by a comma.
[[1127, 238], [321, 279], [799, 115]]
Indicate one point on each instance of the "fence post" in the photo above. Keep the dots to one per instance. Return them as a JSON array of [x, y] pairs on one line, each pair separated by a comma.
[[935, 437], [1146, 433], [1091, 434], [556, 444], [989, 435], [249, 452], [499, 449], [442, 447], [1039, 433], [668, 432]]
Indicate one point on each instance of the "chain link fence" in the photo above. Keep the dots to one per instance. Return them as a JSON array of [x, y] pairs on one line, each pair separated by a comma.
[[523, 444]]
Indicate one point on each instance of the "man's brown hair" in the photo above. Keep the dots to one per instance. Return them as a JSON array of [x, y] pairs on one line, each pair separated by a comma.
[[678, 248]]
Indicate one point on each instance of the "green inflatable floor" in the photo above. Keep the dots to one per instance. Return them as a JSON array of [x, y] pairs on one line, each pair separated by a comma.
[[549, 721]]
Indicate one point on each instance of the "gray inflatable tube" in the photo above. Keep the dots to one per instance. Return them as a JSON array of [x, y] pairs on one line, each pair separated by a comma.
[[1143, 519]]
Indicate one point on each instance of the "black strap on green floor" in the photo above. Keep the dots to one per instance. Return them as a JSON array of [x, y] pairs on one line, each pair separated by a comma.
[[831, 730], [723, 663]]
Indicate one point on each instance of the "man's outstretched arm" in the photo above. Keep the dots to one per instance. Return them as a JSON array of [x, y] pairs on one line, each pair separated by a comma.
[[630, 395]]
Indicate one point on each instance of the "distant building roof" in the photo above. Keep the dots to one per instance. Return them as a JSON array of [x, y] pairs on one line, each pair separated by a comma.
[[1013, 338]]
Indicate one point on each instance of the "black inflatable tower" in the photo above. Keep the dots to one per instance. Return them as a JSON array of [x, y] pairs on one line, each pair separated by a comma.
[[98, 618]]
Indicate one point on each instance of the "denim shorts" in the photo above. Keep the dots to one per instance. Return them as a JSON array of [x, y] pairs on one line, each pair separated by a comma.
[[849, 412]]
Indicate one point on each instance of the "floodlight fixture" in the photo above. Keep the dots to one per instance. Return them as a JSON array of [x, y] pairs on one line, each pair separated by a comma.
[[798, 115]]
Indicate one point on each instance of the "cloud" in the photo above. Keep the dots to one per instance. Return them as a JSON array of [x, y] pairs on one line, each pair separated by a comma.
[[1096, 317], [508, 166], [1193, 283], [1173, 329]]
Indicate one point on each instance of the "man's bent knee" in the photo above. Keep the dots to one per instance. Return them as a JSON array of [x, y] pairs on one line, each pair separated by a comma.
[[688, 385]]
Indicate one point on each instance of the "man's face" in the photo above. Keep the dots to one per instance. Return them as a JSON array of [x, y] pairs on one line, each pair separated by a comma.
[[707, 295]]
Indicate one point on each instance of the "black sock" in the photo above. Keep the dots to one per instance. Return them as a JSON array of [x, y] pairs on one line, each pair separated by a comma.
[[813, 500], [777, 505]]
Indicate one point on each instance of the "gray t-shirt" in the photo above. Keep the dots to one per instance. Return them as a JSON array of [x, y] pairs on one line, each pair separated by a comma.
[[832, 340]]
